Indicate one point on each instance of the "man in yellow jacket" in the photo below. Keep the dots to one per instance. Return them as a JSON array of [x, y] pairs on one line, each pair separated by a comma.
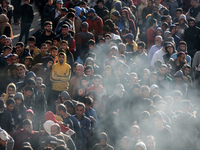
[[60, 76]]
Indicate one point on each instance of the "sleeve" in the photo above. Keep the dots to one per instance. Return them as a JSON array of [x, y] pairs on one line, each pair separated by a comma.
[[72, 46], [32, 14], [55, 77], [79, 136], [70, 144], [7, 31]]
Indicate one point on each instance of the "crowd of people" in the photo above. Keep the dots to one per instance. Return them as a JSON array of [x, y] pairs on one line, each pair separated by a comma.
[[100, 75]]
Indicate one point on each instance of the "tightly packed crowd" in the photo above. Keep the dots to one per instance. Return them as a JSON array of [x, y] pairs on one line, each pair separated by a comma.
[[100, 75]]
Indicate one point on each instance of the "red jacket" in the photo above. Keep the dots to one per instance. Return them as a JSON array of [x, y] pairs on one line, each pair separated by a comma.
[[95, 24]]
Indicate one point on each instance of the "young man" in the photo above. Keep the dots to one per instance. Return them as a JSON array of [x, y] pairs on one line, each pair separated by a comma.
[[31, 46], [26, 13], [71, 122], [103, 143], [65, 47], [84, 121], [81, 93], [21, 51], [131, 45]]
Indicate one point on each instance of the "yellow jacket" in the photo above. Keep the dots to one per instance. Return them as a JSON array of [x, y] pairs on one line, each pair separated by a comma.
[[60, 75], [6, 96]]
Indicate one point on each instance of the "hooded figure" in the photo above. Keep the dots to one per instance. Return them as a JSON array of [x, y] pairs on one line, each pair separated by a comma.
[[60, 74], [7, 91], [128, 23], [5, 27], [50, 119]]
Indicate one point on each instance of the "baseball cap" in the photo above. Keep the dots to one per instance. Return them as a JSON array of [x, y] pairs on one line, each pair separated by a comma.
[[91, 10], [4, 135]]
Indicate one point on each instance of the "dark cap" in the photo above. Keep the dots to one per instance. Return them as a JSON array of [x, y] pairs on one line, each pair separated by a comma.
[[91, 10]]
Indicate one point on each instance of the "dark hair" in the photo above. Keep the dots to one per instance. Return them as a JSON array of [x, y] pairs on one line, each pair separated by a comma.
[[70, 14], [141, 43], [57, 39], [80, 104], [103, 136], [43, 44], [27, 122], [47, 23], [10, 101], [153, 21], [180, 54], [69, 103], [91, 42], [89, 67], [62, 107], [163, 18], [29, 88], [182, 42], [32, 38], [179, 9], [88, 100], [54, 48], [20, 44], [85, 78]]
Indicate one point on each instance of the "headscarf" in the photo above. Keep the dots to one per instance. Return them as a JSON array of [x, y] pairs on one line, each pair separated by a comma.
[[4, 22]]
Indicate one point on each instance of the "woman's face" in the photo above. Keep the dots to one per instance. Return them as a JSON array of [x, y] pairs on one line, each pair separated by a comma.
[[170, 49], [4, 3]]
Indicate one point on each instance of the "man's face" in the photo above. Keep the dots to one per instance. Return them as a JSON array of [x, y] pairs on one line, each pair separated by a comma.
[[43, 49], [64, 46], [2, 41], [11, 90], [7, 42], [38, 83], [61, 59], [182, 58], [10, 107], [31, 43], [178, 13], [79, 70], [191, 23], [54, 130], [100, 5], [81, 92], [21, 72], [173, 30], [123, 15], [49, 64], [135, 132], [84, 83], [48, 28], [27, 128], [113, 52], [163, 71], [14, 60], [145, 94], [113, 17], [64, 31], [193, 3], [3, 143], [157, 2], [187, 71], [103, 142], [182, 47], [27, 94], [79, 111], [88, 72], [6, 52], [19, 49], [58, 6], [27, 62], [140, 49], [158, 41], [54, 53], [97, 82], [18, 101], [29, 116], [56, 43], [57, 111]]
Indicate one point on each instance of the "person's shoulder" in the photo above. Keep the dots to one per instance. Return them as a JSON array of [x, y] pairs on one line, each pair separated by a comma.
[[109, 147], [86, 119]]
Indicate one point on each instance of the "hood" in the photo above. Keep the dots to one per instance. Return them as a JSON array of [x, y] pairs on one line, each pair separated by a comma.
[[118, 6], [19, 95], [182, 16], [178, 49], [166, 34], [6, 96], [50, 116], [78, 11], [65, 58], [65, 94], [179, 74], [46, 59], [47, 126], [29, 75], [127, 13]]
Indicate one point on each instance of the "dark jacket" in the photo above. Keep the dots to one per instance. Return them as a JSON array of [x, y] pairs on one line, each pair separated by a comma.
[[26, 12], [6, 122]]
